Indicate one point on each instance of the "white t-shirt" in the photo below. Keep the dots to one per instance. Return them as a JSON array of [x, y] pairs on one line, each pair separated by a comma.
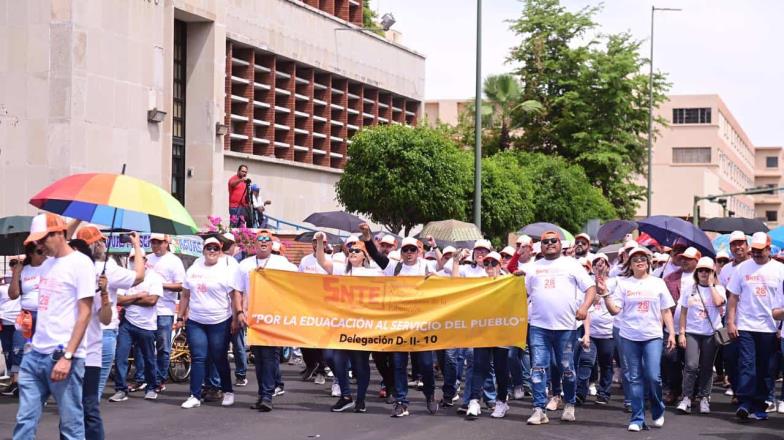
[[340, 269], [210, 290], [471, 271], [554, 287], [601, 321], [93, 336], [669, 268], [119, 278], [686, 287], [726, 273], [525, 267], [759, 289], [171, 269], [641, 302], [64, 281], [277, 262], [309, 264], [700, 321], [9, 308], [421, 268], [144, 317], [30, 278]]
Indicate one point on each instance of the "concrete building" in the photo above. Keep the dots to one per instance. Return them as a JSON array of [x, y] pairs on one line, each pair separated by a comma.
[[84, 86], [767, 163], [446, 111]]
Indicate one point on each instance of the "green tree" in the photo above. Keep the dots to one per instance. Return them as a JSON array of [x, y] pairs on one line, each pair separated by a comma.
[[594, 97], [404, 176], [507, 198], [370, 18], [503, 97]]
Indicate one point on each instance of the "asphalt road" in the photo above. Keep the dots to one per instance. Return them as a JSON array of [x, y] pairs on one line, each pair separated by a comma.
[[303, 413]]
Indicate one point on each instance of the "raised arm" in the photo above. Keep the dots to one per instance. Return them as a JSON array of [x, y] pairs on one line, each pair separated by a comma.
[[321, 257], [380, 259]]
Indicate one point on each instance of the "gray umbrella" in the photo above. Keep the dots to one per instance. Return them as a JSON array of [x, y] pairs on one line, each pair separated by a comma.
[[307, 237], [340, 220], [13, 231], [535, 230]]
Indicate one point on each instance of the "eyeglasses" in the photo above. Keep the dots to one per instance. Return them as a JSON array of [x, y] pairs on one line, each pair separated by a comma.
[[264, 239], [355, 251], [547, 241], [506, 256], [212, 248], [704, 270], [489, 262], [409, 249], [639, 258]]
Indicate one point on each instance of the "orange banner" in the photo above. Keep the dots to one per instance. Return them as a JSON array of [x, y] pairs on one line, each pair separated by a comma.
[[290, 309]]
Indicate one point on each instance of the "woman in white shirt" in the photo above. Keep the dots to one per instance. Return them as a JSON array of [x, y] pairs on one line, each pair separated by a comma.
[[211, 308], [358, 264], [700, 318], [643, 302]]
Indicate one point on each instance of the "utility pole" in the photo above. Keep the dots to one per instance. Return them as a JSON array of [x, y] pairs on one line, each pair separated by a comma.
[[478, 121]]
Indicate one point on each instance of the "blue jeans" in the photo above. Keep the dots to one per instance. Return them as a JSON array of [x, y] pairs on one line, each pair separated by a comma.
[[144, 341], [360, 365], [643, 366], [517, 367], [449, 368], [239, 348], [755, 349], [107, 357], [499, 357], [425, 363], [7, 341], [163, 345], [559, 343], [488, 385], [624, 378], [266, 358], [601, 351], [35, 386], [209, 340]]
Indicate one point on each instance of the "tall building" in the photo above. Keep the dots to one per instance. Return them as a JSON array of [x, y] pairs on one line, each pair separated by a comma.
[[184, 91], [767, 163]]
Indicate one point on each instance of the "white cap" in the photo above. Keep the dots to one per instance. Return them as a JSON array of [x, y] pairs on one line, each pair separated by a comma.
[[484, 244], [629, 244], [494, 256], [737, 236], [566, 244], [276, 246], [157, 236], [760, 240], [352, 239], [339, 257], [448, 250], [691, 253], [705, 263], [388, 239], [229, 237], [524, 240], [431, 255], [722, 254], [583, 235], [640, 250], [600, 255], [212, 240], [394, 255], [509, 250], [663, 258], [537, 248], [409, 241]]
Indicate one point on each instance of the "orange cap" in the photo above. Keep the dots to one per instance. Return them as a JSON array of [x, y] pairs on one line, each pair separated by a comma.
[[43, 224], [90, 234], [548, 234]]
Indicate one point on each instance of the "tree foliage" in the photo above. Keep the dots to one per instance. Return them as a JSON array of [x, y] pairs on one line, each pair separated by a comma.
[[593, 93], [370, 19], [402, 176]]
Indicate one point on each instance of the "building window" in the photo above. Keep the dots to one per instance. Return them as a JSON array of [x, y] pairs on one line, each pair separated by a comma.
[[178, 113], [772, 216], [691, 155], [700, 115], [772, 161]]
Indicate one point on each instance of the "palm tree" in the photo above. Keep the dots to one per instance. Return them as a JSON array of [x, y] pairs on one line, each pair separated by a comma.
[[503, 95]]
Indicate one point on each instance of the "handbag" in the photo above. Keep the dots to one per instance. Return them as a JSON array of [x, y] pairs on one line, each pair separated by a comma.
[[721, 335]]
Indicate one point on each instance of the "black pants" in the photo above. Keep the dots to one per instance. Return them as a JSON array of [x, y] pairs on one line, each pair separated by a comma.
[[91, 401], [314, 358], [386, 369]]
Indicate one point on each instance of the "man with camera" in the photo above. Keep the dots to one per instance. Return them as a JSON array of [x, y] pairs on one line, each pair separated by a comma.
[[239, 211]]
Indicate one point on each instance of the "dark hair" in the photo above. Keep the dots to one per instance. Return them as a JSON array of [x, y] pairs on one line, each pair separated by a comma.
[[696, 279], [83, 247], [241, 167], [627, 266], [29, 250]]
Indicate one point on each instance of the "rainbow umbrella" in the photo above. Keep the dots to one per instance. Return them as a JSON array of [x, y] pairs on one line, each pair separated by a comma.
[[116, 200]]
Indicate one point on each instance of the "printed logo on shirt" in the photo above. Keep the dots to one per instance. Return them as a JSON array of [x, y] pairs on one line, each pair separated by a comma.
[[643, 307], [761, 291], [46, 288], [549, 283]]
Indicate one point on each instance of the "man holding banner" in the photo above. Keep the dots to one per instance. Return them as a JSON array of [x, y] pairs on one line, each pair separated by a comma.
[[555, 286]]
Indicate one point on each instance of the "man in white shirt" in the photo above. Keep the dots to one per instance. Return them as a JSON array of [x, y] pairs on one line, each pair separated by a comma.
[[55, 366], [267, 358], [554, 286], [755, 291], [582, 246]]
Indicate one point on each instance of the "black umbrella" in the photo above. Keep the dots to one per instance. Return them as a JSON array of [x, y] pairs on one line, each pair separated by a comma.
[[535, 230], [726, 225], [13, 231], [615, 230], [340, 220], [307, 237]]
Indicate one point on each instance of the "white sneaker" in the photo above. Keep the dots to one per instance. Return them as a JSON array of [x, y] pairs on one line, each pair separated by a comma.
[[518, 393], [279, 391], [780, 407], [335, 390], [539, 417], [685, 406], [592, 389], [658, 423], [228, 399], [705, 406], [320, 379], [474, 409], [771, 406], [729, 392], [192, 402], [568, 413], [151, 395], [554, 403], [635, 427], [119, 396], [500, 410]]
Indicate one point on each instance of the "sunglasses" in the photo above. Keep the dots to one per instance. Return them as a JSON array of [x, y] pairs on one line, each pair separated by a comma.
[[212, 248], [409, 249], [506, 256], [547, 241], [704, 270], [639, 258], [488, 263], [264, 239], [355, 251]]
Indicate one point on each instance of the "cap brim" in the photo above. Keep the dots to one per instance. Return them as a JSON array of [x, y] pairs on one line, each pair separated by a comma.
[[35, 236], [759, 247]]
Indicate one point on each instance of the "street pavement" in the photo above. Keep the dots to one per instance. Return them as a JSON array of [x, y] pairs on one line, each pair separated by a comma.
[[303, 413]]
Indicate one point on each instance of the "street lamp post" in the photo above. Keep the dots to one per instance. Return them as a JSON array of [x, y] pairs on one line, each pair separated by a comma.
[[478, 121], [650, 114]]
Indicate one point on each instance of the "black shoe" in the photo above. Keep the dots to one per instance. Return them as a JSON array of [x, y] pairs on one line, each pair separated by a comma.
[[432, 405], [308, 373], [262, 405], [390, 399], [462, 409], [446, 403], [12, 391], [579, 400], [602, 400], [342, 404], [359, 407], [141, 386], [400, 410], [627, 408]]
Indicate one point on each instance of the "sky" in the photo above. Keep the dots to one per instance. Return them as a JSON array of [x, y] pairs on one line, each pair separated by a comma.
[[727, 47]]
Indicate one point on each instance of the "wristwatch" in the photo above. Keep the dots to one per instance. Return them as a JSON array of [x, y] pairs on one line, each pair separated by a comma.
[[68, 356]]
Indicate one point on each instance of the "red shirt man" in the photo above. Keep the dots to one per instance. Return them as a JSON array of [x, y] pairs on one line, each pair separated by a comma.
[[237, 187]]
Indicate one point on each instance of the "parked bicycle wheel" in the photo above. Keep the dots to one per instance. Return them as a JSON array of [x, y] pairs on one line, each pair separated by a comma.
[[180, 360]]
